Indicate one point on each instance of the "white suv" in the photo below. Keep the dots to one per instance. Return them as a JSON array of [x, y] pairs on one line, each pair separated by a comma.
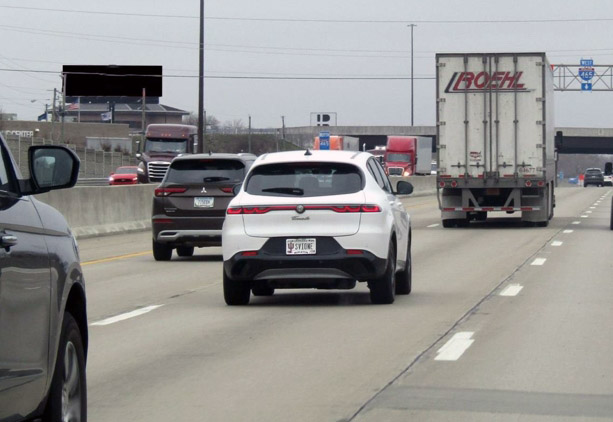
[[316, 219]]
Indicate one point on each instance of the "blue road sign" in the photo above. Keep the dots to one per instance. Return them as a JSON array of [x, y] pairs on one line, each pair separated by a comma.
[[586, 86], [586, 73], [587, 62], [324, 140]]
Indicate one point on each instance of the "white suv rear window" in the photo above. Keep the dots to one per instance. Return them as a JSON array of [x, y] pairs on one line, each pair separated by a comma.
[[304, 179]]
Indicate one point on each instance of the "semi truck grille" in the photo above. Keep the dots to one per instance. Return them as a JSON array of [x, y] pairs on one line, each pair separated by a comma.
[[157, 170], [395, 171]]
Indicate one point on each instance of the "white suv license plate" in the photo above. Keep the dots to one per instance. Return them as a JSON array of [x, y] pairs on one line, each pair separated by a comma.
[[204, 202], [300, 247]]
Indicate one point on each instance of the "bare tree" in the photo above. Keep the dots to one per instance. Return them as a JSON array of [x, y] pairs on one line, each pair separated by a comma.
[[234, 126], [211, 121]]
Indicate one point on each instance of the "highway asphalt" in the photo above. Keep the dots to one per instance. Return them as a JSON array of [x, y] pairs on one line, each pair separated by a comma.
[[505, 323]]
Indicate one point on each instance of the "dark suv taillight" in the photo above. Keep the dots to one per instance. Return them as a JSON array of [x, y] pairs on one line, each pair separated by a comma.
[[169, 191]]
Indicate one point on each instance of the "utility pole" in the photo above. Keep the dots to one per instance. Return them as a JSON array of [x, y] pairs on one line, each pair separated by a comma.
[[63, 105], [144, 105], [53, 113], [412, 107], [249, 137], [282, 130], [201, 121]]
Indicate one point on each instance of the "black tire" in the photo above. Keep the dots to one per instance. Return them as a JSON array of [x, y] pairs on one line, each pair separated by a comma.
[[404, 277], [382, 290], [235, 292], [185, 250], [69, 375], [161, 252], [449, 223], [263, 291], [481, 216]]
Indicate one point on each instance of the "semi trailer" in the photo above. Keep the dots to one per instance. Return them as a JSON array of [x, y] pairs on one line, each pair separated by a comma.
[[495, 137]]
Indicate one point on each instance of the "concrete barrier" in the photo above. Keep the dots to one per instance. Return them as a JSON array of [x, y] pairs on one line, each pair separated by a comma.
[[100, 210], [422, 185]]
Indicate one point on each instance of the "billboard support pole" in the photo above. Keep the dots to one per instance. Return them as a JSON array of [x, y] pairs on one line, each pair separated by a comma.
[[201, 122]]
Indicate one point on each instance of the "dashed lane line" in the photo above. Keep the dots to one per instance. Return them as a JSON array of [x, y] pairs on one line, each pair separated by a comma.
[[556, 243], [127, 315], [539, 261], [433, 225], [456, 346], [512, 290], [568, 231]]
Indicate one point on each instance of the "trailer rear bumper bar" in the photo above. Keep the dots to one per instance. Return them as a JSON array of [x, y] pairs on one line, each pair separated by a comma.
[[485, 209]]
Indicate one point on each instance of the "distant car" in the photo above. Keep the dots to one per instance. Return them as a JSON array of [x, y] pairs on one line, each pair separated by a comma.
[[593, 176], [125, 175], [190, 204], [43, 321], [320, 219], [608, 180]]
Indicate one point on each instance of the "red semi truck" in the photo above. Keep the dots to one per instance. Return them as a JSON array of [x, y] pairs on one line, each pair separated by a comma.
[[400, 154]]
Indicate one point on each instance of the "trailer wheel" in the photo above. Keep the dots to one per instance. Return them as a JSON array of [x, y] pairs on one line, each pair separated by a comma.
[[448, 223]]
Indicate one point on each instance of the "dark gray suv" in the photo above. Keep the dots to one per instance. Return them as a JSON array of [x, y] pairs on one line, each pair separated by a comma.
[[43, 322], [593, 176], [189, 206]]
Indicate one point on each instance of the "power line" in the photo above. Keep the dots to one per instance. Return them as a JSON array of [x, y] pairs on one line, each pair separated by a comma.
[[317, 20], [237, 48], [92, 12], [318, 78]]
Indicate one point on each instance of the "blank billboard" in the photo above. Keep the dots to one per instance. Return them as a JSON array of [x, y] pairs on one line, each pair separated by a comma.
[[112, 81]]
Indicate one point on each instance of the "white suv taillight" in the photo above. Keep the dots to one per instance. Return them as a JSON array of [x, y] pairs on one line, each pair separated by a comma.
[[335, 208]]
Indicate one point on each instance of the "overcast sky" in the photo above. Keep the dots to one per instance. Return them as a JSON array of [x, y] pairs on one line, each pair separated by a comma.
[[291, 38]]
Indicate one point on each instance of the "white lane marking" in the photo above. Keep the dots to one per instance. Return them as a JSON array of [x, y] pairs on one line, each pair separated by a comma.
[[588, 212], [432, 225], [576, 222], [539, 261], [592, 208], [584, 216], [556, 243], [567, 231], [511, 290], [456, 346], [127, 315]]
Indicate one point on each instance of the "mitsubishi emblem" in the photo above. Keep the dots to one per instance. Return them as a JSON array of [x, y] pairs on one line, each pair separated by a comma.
[[203, 190], [300, 209]]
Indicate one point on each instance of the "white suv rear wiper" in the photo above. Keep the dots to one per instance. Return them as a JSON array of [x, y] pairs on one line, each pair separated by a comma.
[[288, 191]]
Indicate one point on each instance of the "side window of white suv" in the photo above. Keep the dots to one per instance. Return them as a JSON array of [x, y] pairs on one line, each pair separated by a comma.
[[375, 169]]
